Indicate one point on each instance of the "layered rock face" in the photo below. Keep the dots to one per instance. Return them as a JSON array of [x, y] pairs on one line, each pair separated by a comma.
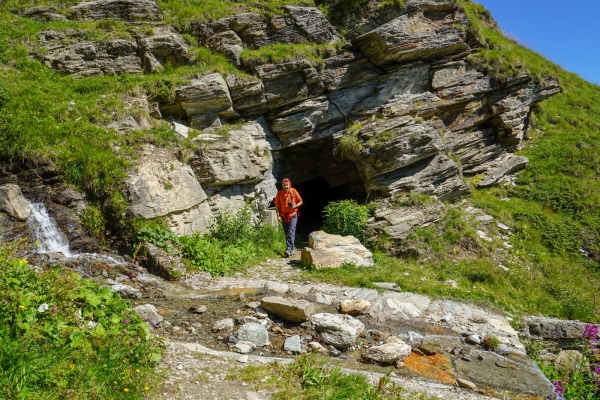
[[396, 109]]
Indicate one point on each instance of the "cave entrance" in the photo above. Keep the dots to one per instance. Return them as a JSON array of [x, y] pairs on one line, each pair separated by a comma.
[[319, 177]]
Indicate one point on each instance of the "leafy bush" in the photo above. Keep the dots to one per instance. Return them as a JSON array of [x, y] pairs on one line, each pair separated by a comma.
[[232, 242], [345, 217], [61, 337], [160, 236]]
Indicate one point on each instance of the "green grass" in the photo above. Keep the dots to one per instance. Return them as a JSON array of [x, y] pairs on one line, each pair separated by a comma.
[[56, 353], [312, 378], [281, 52]]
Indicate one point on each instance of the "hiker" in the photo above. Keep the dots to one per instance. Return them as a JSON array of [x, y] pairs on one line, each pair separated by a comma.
[[287, 202]]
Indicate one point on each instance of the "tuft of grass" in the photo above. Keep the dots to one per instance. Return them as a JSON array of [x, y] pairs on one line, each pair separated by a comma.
[[283, 52]]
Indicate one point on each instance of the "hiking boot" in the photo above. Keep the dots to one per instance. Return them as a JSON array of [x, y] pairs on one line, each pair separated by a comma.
[[286, 254]]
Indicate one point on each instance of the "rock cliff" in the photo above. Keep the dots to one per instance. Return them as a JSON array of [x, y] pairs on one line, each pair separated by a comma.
[[394, 104]]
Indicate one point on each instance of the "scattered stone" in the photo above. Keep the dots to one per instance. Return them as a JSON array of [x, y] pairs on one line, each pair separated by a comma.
[[149, 314], [127, 291], [466, 384], [388, 353], [253, 304], [377, 335], [243, 359], [244, 347], [293, 344], [316, 346], [338, 330], [224, 325], [392, 339], [355, 306], [198, 309], [451, 283], [246, 319], [288, 309], [473, 339], [502, 226], [253, 333]]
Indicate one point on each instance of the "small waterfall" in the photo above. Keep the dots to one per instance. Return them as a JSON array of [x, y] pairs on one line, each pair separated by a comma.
[[50, 239]]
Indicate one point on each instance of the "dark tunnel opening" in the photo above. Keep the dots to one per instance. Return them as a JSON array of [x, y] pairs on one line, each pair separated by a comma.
[[319, 177]]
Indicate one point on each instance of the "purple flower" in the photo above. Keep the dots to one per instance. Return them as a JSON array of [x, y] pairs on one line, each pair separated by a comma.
[[558, 389], [126, 321], [4, 301], [131, 275], [590, 332], [596, 374], [53, 309]]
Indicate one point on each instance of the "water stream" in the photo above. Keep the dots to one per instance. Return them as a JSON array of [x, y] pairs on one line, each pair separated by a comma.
[[49, 238]]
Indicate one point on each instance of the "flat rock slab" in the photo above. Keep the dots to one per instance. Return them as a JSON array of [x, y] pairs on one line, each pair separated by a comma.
[[325, 250], [338, 330], [288, 309], [355, 306]]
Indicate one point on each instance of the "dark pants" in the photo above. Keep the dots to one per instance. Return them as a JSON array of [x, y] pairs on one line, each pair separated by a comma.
[[290, 232]]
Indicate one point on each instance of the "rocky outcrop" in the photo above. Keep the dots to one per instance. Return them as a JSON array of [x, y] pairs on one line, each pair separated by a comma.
[[296, 25], [13, 202], [67, 54], [127, 10], [43, 13], [332, 251]]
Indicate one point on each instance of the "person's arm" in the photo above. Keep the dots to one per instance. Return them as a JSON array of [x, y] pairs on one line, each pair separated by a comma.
[[277, 209], [300, 202]]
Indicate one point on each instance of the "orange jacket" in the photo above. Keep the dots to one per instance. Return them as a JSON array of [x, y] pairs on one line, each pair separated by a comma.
[[281, 201]]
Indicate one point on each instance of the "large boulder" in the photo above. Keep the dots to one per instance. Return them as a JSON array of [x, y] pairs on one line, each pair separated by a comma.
[[127, 10], [13, 202], [164, 47], [338, 330], [288, 309], [333, 251]]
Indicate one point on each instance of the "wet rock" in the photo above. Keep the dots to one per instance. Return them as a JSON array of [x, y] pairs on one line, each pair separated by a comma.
[[128, 10], [149, 314], [388, 353], [288, 309], [332, 251], [126, 291], [224, 325], [293, 345], [253, 333], [13, 202], [338, 330], [161, 262], [355, 306], [198, 309]]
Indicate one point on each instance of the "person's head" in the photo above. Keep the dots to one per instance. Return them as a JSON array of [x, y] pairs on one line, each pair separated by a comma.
[[286, 183]]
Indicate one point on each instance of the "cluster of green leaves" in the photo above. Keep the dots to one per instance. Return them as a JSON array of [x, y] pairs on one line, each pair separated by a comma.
[[346, 217], [233, 241], [61, 337], [313, 378]]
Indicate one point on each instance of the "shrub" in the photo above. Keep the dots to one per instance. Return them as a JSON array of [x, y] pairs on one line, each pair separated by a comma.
[[345, 217], [490, 342], [61, 336]]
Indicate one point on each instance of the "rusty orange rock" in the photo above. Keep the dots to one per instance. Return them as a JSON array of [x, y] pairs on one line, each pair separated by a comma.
[[437, 367]]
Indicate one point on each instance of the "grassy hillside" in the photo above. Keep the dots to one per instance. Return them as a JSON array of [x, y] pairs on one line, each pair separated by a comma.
[[554, 208]]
